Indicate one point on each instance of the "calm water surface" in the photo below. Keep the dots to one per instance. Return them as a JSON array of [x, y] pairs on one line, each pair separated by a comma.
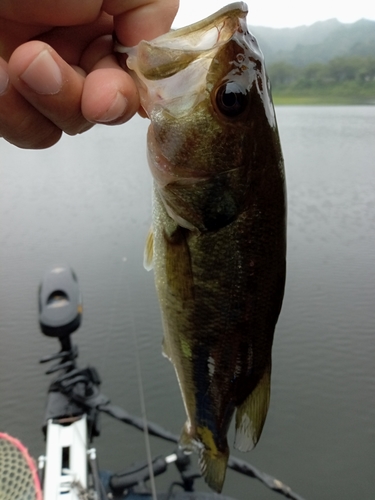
[[86, 202]]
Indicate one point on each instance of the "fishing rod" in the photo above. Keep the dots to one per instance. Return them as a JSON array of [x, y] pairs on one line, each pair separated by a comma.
[[98, 401], [74, 402]]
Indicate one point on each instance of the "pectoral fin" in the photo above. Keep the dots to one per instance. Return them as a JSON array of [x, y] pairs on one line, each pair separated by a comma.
[[149, 251], [178, 270], [251, 415]]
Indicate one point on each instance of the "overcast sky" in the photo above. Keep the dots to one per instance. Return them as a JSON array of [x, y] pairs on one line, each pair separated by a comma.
[[281, 13]]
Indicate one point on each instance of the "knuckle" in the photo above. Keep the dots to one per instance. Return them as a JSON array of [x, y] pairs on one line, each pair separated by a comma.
[[23, 126]]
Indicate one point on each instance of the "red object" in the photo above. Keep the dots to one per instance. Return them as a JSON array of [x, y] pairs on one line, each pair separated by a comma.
[[18, 472]]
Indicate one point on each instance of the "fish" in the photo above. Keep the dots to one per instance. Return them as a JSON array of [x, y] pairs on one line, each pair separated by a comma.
[[218, 239]]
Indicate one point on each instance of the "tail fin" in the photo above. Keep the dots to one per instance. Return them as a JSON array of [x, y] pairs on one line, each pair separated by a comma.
[[212, 461], [213, 467]]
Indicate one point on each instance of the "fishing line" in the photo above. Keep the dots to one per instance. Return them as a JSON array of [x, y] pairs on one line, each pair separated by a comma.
[[140, 385], [104, 357], [113, 309]]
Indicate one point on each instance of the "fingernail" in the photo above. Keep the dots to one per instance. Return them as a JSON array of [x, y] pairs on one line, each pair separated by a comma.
[[4, 80], [43, 75], [116, 109]]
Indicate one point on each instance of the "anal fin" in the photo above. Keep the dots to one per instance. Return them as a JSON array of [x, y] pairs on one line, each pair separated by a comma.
[[251, 415]]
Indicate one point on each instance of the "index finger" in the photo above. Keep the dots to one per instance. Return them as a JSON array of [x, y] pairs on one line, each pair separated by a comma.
[[142, 20]]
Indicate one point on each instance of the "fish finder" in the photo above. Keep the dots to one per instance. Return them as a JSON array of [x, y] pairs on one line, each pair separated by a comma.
[[60, 304]]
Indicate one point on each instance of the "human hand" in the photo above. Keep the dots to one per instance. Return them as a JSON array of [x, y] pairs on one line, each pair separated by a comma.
[[57, 68]]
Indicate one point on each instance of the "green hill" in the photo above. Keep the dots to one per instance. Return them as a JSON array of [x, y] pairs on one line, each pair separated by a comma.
[[320, 42], [327, 62]]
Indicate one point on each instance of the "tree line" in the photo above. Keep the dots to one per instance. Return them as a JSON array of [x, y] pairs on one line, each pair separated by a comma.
[[355, 70]]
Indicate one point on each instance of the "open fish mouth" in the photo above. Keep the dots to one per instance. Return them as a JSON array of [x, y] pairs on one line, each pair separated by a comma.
[[166, 67], [200, 36]]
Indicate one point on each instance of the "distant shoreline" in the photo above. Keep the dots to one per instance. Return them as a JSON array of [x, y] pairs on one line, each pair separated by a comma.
[[309, 100], [313, 92]]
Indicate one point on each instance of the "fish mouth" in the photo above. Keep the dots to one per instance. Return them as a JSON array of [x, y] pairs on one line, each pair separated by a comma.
[[200, 36], [205, 34], [165, 67]]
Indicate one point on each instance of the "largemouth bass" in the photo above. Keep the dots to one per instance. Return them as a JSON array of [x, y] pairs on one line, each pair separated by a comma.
[[217, 244]]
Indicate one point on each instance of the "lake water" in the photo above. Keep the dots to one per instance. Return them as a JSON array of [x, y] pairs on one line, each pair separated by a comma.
[[86, 202]]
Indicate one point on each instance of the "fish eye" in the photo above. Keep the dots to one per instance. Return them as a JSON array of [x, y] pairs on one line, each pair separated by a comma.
[[231, 99]]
